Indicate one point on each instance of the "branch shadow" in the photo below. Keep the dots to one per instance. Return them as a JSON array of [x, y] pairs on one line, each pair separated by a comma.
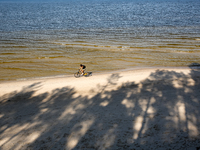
[[161, 112]]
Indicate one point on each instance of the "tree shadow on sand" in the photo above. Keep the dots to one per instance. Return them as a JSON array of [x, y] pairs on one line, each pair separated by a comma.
[[162, 111]]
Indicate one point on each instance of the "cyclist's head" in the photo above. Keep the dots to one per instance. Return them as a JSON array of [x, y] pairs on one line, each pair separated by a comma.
[[81, 65]]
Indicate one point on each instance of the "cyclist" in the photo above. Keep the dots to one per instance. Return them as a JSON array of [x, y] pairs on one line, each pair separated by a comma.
[[82, 68]]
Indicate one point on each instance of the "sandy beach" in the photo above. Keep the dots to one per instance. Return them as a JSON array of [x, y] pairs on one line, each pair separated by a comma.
[[152, 108]]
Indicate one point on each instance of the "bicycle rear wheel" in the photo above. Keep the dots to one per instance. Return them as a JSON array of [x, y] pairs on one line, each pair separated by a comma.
[[77, 75]]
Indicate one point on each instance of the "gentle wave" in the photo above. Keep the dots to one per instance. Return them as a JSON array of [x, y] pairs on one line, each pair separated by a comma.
[[175, 47]]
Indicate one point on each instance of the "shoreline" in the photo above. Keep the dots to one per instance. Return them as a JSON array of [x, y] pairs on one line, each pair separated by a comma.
[[96, 73], [144, 109], [20, 83]]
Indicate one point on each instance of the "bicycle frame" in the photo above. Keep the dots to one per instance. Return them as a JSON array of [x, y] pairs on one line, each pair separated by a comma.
[[78, 74]]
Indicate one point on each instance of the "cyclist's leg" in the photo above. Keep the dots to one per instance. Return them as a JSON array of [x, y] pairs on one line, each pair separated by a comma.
[[83, 71]]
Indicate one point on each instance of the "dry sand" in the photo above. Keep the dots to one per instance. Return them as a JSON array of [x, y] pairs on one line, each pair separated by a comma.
[[138, 109]]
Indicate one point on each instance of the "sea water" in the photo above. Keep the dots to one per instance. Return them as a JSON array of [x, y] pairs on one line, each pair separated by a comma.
[[40, 39]]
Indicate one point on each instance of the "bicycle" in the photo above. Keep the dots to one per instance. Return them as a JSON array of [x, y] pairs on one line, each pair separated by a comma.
[[79, 74]]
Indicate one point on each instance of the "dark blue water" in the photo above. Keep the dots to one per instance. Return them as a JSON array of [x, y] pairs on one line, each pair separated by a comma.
[[52, 38], [98, 15]]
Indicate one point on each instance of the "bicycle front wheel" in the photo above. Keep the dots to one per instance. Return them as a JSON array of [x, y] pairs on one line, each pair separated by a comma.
[[77, 75]]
